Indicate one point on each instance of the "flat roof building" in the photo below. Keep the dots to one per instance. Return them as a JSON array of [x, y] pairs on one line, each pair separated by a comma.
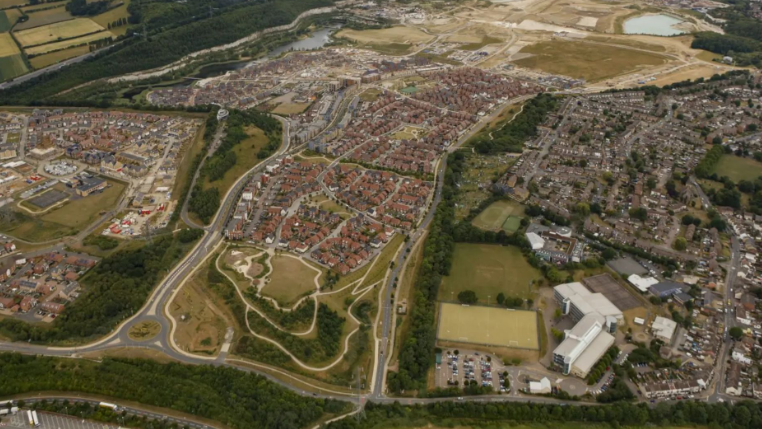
[[642, 283], [664, 329], [583, 345]]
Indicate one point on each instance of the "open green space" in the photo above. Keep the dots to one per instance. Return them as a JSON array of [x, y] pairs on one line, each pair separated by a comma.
[[486, 40], [67, 220], [492, 326], [580, 60], [5, 24], [502, 214], [737, 168], [290, 280], [488, 270], [246, 158]]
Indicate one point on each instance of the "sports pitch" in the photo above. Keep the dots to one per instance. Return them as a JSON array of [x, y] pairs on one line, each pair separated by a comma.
[[491, 326], [505, 215]]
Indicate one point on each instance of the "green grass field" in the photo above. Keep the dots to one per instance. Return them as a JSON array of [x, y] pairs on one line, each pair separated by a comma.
[[5, 24], [290, 280], [12, 66], [592, 62], [738, 168], [246, 158], [498, 215], [488, 269], [488, 325]]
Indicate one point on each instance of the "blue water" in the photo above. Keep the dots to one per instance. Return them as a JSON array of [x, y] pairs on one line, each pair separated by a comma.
[[657, 25]]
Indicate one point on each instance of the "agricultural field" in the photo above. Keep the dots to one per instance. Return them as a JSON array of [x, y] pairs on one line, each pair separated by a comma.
[[488, 270], [738, 168], [580, 60], [492, 326], [112, 15], [7, 45], [42, 61], [57, 31], [11, 3], [64, 44], [5, 21], [44, 17], [12, 66], [291, 279], [505, 215]]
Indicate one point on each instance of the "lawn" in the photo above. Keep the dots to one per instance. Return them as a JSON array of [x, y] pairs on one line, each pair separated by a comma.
[[738, 168], [488, 270], [498, 215], [492, 326], [79, 213], [580, 60], [246, 158], [45, 60], [12, 66], [290, 280], [382, 264], [57, 31]]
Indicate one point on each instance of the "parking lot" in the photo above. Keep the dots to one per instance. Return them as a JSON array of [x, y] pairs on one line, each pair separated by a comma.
[[53, 421], [465, 368]]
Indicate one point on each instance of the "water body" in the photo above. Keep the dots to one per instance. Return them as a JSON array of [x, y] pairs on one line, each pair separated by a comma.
[[657, 25], [317, 40]]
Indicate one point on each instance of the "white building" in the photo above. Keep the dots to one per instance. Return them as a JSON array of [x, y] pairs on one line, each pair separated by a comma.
[[540, 387], [536, 241], [664, 329], [642, 283], [577, 300]]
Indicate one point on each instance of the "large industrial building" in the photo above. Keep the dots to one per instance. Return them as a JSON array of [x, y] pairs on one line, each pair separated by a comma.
[[597, 318]]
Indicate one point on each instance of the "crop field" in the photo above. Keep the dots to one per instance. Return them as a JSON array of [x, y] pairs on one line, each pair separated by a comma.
[[488, 270], [9, 3], [57, 31], [12, 66], [112, 15], [57, 46], [5, 22], [45, 60], [7, 45], [504, 215], [44, 17], [738, 168], [488, 326], [290, 280], [406, 35], [581, 60]]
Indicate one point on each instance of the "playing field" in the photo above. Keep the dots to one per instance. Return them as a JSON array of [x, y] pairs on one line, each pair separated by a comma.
[[504, 215], [488, 325], [488, 270], [580, 60], [738, 168], [57, 31]]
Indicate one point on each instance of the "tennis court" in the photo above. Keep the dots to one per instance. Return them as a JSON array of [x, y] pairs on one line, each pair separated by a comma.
[[492, 326]]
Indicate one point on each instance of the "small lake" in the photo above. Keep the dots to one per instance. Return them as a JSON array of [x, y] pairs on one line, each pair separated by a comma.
[[657, 25]]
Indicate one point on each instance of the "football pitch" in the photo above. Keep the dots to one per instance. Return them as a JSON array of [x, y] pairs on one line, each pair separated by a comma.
[[505, 215], [491, 326]]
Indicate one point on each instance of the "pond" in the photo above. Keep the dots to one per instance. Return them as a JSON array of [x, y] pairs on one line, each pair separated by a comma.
[[657, 25]]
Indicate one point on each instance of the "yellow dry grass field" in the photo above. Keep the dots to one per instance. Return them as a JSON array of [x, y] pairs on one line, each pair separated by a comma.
[[290, 108], [387, 35], [688, 73], [488, 326], [112, 15], [10, 3], [57, 46], [7, 46], [45, 60], [57, 31]]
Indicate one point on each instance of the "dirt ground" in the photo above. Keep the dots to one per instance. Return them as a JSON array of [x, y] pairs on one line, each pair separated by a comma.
[[201, 324]]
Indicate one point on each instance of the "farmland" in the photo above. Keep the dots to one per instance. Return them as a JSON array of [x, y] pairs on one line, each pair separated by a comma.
[[57, 31], [12, 66], [112, 15], [504, 215], [41, 61], [488, 326], [488, 270], [56, 46], [580, 60], [44, 17], [7, 46], [737, 168]]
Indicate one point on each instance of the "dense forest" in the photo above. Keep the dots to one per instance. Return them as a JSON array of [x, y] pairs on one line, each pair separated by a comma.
[[205, 202], [741, 415], [511, 136], [162, 47], [113, 290], [235, 398], [83, 8], [743, 35]]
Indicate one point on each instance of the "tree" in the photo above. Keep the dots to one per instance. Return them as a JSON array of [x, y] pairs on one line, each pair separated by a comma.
[[736, 333], [680, 243], [608, 254], [582, 208], [467, 297], [500, 298]]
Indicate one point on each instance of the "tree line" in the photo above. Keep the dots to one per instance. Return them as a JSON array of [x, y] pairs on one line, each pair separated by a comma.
[[232, 397], [510, 137], [160, 48], [741, 415]]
